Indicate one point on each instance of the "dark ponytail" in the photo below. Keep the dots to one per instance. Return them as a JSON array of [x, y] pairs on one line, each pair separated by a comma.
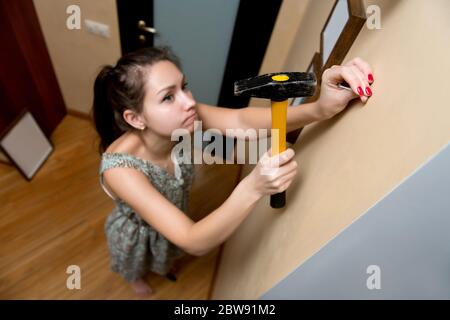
[[102, 112], [122, 87]]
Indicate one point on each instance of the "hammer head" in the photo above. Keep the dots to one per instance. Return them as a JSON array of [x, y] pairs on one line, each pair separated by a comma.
[[278, 86]]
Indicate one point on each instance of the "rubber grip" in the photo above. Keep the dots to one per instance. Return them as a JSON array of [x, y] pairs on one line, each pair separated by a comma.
[[278, 200]]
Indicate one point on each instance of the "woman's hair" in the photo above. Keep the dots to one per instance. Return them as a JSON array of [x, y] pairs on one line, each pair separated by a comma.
[[122, 87]]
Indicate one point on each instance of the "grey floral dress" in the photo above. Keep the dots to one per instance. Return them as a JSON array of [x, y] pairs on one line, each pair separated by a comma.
[[135, 247]]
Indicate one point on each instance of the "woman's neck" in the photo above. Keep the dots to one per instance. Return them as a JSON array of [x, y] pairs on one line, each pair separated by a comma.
[[155, 147]]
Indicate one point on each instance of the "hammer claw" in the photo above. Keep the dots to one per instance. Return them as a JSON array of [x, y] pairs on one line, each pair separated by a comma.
[[291, 84]]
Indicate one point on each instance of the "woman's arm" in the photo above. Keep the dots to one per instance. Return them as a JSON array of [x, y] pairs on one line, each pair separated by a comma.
[[254, 117], [134, 188], [297, 117], [198, 238], [357, 73]]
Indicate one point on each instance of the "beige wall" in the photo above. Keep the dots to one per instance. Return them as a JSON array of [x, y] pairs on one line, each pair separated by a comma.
[[350, 162], [307, 39], [76, 54], [283, 37]]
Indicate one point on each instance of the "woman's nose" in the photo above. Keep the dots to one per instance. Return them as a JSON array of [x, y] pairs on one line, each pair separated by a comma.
[[188, 100]]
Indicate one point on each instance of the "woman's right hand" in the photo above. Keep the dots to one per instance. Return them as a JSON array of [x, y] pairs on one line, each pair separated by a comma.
[[273, 174]]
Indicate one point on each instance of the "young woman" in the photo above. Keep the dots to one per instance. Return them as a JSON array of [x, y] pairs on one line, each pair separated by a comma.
[[138, 103]]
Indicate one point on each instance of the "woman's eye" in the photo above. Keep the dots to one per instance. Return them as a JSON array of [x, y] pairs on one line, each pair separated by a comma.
[[168, 97], [185, 86]]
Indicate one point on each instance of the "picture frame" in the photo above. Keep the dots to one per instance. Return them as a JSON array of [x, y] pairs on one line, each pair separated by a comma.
[[25, 145], [343, 25], [346, 19], [314, 66], [4, 159]]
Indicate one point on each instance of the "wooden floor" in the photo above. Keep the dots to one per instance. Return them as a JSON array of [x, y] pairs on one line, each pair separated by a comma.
[[57, 219]]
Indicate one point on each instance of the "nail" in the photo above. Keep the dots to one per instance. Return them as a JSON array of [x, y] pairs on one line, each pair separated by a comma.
[[370, 77], [360, 91], [368, 91]]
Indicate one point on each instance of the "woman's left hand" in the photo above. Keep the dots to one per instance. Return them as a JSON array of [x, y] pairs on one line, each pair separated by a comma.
[[357, 73]]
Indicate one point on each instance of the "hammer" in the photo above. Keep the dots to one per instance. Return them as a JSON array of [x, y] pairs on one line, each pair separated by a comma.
[[278, 87]]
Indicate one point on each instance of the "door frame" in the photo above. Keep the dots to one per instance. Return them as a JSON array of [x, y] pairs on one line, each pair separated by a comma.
[[253, 28]]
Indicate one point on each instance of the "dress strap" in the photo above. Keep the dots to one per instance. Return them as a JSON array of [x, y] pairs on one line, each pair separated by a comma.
[[118, 160]]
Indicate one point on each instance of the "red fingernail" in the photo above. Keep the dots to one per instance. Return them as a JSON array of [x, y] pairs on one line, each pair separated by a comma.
[[368, 91], [361, 93], [370, 77]]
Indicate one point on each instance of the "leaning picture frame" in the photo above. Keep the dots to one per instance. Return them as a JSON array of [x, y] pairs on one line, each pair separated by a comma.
[[314, 66], [343, 25], [25, 145]]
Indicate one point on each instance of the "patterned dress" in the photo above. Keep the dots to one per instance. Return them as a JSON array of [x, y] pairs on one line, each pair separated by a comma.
[[135, 247]]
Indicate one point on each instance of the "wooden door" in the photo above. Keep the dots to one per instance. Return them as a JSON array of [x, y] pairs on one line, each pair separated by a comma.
[[136, 24], [27, 78]]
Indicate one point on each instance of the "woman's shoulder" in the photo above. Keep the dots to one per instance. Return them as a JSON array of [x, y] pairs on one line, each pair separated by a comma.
[[126, 144], [121, 153]]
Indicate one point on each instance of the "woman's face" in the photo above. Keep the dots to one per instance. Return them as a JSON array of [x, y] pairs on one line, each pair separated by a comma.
[[168, 103]]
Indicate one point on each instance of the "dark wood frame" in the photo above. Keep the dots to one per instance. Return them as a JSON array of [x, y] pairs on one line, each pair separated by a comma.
[[355, 22], [316, 61], [9, 128]]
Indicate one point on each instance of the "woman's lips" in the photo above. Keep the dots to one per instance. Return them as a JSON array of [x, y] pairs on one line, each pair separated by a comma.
[[189, 118]]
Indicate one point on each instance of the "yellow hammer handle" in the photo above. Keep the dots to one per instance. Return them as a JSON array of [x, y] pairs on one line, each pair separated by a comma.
[[278, 143], [279, 119]]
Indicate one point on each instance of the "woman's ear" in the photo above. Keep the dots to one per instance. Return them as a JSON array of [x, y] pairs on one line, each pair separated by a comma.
[[133, 119]]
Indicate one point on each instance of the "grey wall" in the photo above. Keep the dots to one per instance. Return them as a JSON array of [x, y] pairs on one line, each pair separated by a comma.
[[199, 32], [406, 234]]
